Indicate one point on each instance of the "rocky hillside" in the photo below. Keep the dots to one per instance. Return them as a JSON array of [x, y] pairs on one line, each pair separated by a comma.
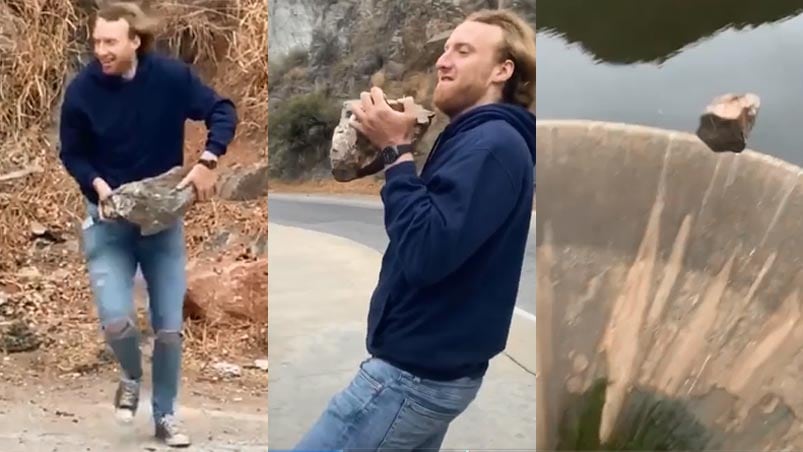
[[317, 65]]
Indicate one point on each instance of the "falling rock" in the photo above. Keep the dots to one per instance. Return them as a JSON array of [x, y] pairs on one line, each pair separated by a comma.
[[728, 121], [154, 204], [351, 152]]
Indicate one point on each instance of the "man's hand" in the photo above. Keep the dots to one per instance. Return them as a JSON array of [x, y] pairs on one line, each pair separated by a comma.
[[104, 191], [101, 188], [382, 125], [203, 180]]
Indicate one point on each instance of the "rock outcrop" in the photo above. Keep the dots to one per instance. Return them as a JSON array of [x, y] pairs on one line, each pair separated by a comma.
[[340, 47], [347, 41], [243, 183], [227, 289], [335, 49]]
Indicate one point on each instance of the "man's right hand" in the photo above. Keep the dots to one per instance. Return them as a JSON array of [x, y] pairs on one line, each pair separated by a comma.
[[103, 190]]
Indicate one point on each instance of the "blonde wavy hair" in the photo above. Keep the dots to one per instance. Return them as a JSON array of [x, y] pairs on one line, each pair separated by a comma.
[[139, 22], [518, 45]]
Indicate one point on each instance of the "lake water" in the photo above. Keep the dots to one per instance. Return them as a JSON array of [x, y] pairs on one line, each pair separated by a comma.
[[659, 63]]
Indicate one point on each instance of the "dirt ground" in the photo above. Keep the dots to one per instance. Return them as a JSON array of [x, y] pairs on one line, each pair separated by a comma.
[[49, 410]]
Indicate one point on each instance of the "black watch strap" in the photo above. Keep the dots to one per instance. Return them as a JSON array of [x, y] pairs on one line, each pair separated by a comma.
[[209, 163], [381, 160]]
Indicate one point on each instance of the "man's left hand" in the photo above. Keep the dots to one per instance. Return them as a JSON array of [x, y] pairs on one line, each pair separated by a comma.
[[382, 125], [203, 180]]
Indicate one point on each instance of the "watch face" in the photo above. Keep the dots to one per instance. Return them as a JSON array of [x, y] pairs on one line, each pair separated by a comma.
[[390, 155]]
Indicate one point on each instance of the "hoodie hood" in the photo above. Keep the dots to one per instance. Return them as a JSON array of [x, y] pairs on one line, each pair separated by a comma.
[[519, 117]]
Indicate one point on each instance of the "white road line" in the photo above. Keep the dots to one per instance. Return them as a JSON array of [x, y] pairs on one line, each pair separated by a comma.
[[523, 313]]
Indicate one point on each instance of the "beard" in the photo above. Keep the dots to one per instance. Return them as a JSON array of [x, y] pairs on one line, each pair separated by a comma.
[[453, 97]]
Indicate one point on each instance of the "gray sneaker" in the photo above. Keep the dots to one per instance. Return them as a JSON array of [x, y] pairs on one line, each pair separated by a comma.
[[126, 400], [169, 431]]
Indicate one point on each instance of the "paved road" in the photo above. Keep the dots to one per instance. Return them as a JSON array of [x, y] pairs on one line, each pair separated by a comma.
[[317, 341], [360, 219]]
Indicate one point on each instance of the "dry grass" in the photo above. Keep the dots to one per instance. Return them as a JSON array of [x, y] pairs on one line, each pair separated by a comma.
[[249, 54], [37, 39], [35, 48], [226, 39]]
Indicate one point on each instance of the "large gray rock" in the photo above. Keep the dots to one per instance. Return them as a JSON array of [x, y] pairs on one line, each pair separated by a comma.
[[351, 151], [669, 292], [153, 204]]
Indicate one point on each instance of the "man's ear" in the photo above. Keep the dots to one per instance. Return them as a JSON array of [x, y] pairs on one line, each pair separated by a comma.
[[137, 42], [504, 71]]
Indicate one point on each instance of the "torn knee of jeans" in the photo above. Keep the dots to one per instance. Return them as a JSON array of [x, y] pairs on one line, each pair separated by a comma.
[[119, 328], [168, 336], [98, 277]]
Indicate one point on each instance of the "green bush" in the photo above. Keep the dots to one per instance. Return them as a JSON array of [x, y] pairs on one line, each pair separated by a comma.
[[300, 131], [297, 57], [648, 421]]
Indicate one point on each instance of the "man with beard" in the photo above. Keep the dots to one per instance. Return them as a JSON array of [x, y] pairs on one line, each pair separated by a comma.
[[449, 278], [123, 120]]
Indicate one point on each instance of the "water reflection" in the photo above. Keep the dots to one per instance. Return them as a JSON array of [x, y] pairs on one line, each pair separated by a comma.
[[659, 62]]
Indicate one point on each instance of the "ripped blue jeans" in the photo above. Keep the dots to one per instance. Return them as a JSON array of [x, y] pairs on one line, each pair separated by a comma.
[[113, 251]]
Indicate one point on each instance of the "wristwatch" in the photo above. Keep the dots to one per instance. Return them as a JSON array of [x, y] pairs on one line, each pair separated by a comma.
[[392, 153], [209, 163]]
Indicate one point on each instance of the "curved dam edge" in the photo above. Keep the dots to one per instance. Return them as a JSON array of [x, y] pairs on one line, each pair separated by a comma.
[[674, 270], [640, 128]]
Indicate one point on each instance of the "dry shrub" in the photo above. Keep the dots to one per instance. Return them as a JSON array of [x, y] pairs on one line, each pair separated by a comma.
[[246, 72], [228, 41], [198, 32], [35, 49], [36, 39]]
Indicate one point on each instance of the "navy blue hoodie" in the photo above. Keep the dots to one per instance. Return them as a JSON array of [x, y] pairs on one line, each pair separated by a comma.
[[450, 275], [127, 130]]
